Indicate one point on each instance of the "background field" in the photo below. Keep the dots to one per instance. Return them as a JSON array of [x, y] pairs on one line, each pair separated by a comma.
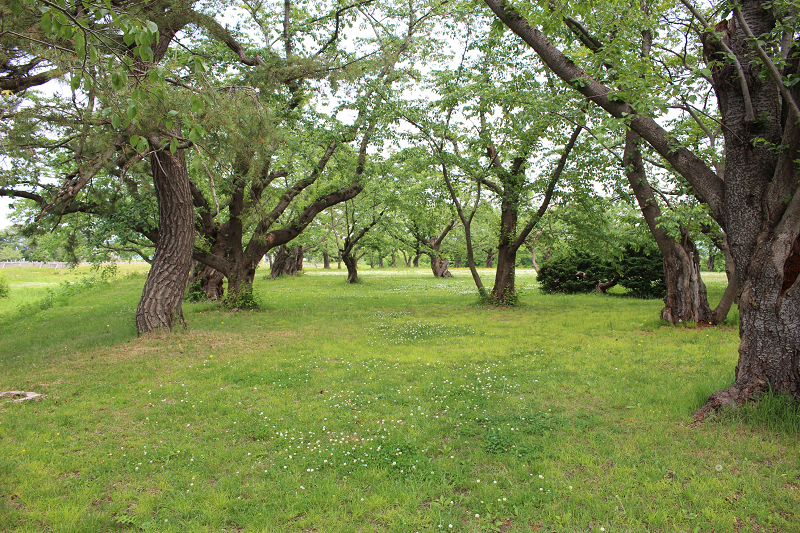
[[397, 404]]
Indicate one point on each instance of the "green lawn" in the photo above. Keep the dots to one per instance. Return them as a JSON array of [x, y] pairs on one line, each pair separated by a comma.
[[395, 405]]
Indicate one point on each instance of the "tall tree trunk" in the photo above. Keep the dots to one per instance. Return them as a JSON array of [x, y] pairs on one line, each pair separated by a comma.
[[686, 298], [503, 290], [326, 261], [380, 261], [710, 262], [416, 259], [394, 259], [162, 296], [762, 209], [490, 257]]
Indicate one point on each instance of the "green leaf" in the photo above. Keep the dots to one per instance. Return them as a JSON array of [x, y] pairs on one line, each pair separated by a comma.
[[146, 53], [199, 65], [15, 6], [117, 81], [152, 75], [129, 38], [194, 135], [134, 140], [47, 22], [152, 26], [80, 45], [75, 82], [197, 104], [116, 121], [173, 145]]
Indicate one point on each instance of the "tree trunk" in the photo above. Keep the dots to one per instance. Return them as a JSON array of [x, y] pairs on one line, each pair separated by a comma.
[[710, 262], [211, 281], [762, 209], [287, 262], [457, 262], [326, 261], [503, 290], [380, 261], [416, 259], [490, 258], [351, 262], [686, 298], [439, 266], [162, 296], [394, 259]]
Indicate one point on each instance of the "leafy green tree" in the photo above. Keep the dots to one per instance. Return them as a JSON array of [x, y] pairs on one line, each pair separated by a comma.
[[756, 204]]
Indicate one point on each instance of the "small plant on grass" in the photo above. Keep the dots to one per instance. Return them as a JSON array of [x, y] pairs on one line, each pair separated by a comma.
[[244, 300], [195, 292]]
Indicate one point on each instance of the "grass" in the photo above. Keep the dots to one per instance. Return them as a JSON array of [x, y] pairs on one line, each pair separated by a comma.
[[394, 405]]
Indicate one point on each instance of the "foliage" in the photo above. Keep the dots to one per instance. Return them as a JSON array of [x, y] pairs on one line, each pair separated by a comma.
[[642, 271], [574, 272], [243, 300], [5, 289], [194, 291]]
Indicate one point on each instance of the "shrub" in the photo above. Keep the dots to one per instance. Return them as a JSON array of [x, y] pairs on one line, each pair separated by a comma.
[[575, 272], [4, 288], [643, 272], [243, 300]]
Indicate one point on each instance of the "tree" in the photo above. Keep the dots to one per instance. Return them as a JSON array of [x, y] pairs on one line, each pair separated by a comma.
[[757, 204], [268, 208]]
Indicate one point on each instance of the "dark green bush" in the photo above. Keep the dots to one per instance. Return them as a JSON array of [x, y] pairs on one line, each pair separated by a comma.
[[575, 272], [642, 272]]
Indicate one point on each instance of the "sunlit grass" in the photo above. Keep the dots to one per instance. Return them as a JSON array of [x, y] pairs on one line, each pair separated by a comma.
[[397, 404]]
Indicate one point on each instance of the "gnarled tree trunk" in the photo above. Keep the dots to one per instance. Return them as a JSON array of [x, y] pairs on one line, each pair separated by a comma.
[[211, 281], [162, 296], [351, 262], [762, 210]]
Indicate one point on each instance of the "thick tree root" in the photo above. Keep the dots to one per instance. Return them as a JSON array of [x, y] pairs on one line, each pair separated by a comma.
[[733, 397]]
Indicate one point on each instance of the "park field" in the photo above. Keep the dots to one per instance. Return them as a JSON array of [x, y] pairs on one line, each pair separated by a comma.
[[398, 404]]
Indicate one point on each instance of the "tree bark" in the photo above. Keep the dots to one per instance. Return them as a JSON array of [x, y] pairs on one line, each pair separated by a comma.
[[326, 261], [416, 259], [287, 263], [160, 306], [211, 281], [490, 257], [439, 265], [686, 298], [762, 211], [351, 262]]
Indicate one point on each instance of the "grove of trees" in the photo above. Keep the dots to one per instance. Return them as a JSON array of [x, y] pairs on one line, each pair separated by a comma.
[[206, 136]]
